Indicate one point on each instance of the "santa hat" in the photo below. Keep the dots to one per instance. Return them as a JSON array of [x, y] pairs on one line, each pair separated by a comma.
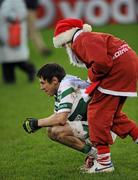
[[65, 30]]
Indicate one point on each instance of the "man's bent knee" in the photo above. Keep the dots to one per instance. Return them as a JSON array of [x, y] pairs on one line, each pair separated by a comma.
[[50, 133], [54, 133]]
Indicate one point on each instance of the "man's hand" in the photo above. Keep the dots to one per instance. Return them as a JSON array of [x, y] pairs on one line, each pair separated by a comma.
[[30, 125]]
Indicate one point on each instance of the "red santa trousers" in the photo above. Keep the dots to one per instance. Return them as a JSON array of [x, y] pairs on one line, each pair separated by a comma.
[[104, 115]]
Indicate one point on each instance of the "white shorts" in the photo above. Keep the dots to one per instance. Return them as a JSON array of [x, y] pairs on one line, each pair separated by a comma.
[[79, 130]]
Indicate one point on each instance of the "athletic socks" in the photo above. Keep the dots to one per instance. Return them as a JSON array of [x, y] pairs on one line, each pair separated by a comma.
[[103, 162], [86, 148], [104, 159], [104, 155], [91, 156]]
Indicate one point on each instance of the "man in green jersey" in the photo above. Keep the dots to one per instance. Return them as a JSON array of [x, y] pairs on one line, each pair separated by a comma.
[[68, 124]]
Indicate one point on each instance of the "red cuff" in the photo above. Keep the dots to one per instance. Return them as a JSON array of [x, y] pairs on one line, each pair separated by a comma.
[[90, 89], [103, 149]]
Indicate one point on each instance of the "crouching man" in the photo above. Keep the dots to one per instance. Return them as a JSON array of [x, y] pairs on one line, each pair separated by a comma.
[[68, 124]]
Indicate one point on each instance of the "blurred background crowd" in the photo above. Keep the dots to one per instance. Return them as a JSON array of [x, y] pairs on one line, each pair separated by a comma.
[[21, 21], [17, 26]]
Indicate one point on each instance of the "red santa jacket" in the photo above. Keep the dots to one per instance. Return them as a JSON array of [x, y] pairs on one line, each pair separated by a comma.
[[110, 60]]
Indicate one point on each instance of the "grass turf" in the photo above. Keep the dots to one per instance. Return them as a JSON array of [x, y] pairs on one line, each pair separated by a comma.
[[34, 156]]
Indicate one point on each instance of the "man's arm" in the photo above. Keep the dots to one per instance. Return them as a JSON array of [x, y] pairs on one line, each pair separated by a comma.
[[31, 125], [54, 119]]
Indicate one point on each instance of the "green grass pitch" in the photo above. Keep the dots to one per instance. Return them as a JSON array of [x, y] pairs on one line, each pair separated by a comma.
[[28, 157]]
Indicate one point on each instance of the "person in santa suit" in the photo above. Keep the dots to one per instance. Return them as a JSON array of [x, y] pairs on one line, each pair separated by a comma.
[[113, 64]]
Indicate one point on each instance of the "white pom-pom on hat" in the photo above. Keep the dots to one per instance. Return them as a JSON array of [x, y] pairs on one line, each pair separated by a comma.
[[87, 28]]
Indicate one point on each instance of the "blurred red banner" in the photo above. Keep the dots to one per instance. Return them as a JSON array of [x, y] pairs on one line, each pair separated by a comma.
[[95, 12]]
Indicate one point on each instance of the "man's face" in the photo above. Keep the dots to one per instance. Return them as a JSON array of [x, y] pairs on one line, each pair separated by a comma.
[[49, 88]]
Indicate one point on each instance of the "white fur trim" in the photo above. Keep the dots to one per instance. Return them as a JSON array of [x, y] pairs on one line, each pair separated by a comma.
[[74, 60], [117, 93], [64, 37], [87, 28], [77, 34]]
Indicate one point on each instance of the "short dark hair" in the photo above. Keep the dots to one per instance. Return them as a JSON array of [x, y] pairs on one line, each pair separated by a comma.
[[48, 71]]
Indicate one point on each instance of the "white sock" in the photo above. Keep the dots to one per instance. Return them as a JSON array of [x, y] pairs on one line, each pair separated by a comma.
[[104, 159]]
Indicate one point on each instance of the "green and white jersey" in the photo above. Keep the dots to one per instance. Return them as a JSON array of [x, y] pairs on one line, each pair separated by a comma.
[[69, 98]]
